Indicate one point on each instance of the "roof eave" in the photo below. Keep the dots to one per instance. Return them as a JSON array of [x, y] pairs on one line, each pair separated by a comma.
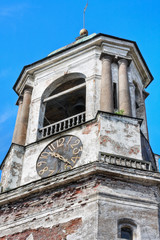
[[73, 46]]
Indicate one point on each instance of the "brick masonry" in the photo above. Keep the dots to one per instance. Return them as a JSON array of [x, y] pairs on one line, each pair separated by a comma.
[[57, 232], [87, 204]]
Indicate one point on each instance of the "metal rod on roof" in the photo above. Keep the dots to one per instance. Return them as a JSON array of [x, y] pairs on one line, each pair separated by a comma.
[[84, 14]]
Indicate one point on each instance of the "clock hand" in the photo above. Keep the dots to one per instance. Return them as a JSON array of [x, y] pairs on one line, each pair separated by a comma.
[[57, 155]]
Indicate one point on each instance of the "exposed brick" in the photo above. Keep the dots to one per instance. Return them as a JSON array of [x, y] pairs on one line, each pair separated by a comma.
[[57, 232]]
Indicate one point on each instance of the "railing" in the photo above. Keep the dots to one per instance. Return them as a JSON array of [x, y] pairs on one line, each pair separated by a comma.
[[61, 126], [125, 162]]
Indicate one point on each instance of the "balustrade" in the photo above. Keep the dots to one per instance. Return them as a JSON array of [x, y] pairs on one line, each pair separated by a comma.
[[62, 125], [125, 162]]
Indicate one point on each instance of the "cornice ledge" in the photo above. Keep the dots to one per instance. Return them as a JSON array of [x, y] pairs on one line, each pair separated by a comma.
[[133, 200], [141, 66], [77, 174], [27, 82]]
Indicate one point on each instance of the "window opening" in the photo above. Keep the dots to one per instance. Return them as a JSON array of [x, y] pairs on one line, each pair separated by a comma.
[[115, 102], [137, 106], [137, 97], [127, 229], [126, 233]]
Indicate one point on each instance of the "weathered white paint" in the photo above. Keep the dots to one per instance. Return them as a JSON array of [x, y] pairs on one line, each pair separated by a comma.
[[83, 59]]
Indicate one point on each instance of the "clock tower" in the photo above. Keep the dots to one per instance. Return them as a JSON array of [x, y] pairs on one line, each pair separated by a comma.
[[80, 166]]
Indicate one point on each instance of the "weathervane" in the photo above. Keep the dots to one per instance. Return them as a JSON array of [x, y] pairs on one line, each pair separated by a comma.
[[84, 14], [84, 31]]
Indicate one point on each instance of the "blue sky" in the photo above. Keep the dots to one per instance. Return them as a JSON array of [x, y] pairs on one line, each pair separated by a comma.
[[30, 30]]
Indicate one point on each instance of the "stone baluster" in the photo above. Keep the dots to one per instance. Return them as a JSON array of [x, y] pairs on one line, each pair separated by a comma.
[[106, 97], [124, 95]]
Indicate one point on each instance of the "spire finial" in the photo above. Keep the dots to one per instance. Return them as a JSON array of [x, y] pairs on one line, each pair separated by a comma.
[[84, 31], [84, 14]]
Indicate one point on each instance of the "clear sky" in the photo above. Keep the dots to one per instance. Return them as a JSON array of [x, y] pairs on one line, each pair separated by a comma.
[[31, 29]]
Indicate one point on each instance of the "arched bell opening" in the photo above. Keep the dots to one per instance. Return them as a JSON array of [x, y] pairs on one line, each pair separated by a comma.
[[65, 101], [63, 104]]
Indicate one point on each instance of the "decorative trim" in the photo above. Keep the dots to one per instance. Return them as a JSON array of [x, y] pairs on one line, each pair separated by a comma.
[[124, 162]]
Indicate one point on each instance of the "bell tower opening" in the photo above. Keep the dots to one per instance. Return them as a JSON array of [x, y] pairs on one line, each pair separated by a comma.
[[65, 101], [63, 104]]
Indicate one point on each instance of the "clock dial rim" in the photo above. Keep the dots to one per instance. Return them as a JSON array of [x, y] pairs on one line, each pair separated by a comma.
[[58, 155]]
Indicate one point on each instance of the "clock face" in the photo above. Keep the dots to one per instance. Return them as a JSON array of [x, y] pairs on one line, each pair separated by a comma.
[[59, 156]]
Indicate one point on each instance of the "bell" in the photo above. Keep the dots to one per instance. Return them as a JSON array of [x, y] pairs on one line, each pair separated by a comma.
[[79, 106]]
